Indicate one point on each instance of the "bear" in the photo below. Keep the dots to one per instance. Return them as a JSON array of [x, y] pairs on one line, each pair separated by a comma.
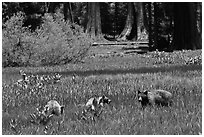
[[97, 102], [53, 107], [157, 97]]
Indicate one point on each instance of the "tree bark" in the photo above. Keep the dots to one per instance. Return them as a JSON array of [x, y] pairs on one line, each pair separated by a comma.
[[199, 17], [94, 20], [68, 9], [145, 15], [65, 10], [129, 32], [70, 12], [134, 28], [141, 29], [150, 26], [185, 32], [98, 20], [156, 26], [51, 8]]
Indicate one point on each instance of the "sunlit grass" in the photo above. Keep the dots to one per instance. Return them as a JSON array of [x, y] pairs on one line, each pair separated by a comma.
[[118, 78], [123, 116]]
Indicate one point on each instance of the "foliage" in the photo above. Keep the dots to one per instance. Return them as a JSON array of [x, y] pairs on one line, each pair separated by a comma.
[[62, 42], [17, 47], [33, 11], [54, 42], [8, 9]]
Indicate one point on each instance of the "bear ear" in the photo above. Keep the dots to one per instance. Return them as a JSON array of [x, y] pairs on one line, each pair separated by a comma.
[[103, 96], [62, 109], [138, 91], [145, 92]]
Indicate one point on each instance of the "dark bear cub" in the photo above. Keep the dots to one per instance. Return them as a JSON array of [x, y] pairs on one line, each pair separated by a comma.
[[155, 97]]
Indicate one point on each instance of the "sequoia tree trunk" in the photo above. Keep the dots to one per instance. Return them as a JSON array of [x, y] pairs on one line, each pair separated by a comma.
[[94, 20], [185, 32], [150, 24], [156, 26], [130, 30], [141, 30]]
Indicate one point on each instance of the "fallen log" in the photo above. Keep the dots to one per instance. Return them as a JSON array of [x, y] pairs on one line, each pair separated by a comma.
[[121, 43]]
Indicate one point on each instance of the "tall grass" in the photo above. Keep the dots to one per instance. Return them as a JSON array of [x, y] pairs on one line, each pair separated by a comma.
[[124, 116]]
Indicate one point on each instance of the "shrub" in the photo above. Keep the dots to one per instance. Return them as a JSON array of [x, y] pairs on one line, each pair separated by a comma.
[[16, 43], [55, 42], [60, 42]]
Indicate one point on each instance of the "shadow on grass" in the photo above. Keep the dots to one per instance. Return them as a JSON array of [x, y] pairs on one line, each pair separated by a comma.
[[182, 68]]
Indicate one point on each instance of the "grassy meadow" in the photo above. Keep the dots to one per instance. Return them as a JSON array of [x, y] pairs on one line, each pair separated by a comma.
[[119, 78]]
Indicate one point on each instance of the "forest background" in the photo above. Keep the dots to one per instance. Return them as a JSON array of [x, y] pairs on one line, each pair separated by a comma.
[[54, 33]]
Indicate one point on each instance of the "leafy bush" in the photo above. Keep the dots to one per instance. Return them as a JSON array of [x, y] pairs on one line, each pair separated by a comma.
[[16, 42], [62, 42], [54, 42]]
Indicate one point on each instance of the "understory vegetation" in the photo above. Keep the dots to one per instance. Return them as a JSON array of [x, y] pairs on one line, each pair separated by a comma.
[[118, 81], [55, 42]]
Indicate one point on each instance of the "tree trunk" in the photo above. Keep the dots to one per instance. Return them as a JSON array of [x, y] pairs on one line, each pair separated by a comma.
[[130, 30], [98, 20], [116, 20], [70, 12], [65, 10], [145, 15], [200, 24], [94, 20], [150, 26], [68, 9], [141, 31], [199, 17], [51, 8], [156, 26], [185, 32]]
